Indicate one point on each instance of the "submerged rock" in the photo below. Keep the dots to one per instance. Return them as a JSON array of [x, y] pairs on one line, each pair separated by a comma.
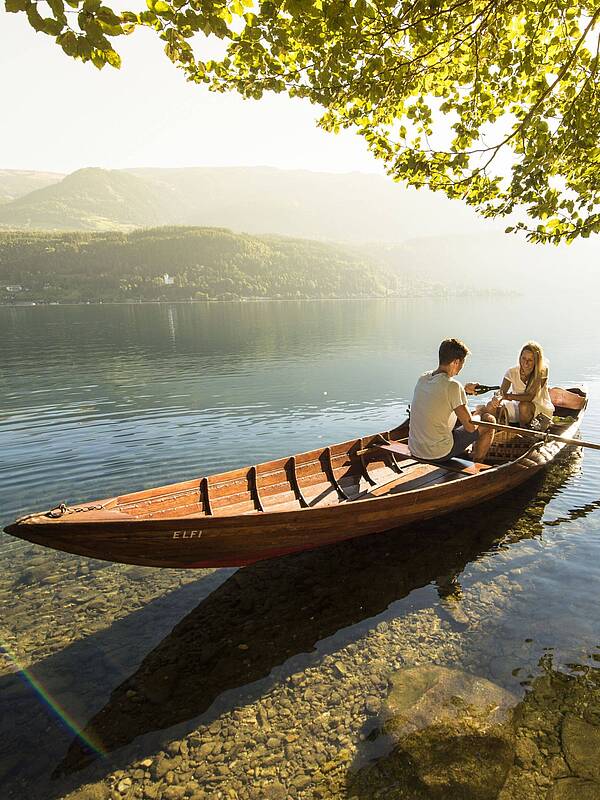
[[574, 789], [421, 697], [454, 729], [581, 746]]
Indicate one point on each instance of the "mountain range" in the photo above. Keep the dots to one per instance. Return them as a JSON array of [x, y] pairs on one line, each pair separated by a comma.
[[351, 207], [418, 235], [15, 183]]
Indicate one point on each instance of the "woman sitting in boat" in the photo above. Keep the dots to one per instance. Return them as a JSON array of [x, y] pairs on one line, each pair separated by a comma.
[[524, 388]]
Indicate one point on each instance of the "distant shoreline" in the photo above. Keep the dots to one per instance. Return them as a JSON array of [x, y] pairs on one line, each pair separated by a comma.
[[257, 300]]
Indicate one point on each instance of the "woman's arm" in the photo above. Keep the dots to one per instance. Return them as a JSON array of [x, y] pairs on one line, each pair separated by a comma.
[[525, 397]]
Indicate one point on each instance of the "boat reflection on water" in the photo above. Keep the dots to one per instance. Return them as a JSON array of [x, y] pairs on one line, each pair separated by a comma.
[[266, 613]]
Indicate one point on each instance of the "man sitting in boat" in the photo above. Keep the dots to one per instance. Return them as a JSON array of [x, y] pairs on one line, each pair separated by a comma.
[[438, 402]]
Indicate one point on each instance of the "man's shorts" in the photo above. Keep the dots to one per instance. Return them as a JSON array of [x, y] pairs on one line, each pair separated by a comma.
[[462, 439]]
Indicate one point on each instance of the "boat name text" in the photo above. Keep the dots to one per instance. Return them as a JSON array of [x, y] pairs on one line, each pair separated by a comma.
[[187, 534]]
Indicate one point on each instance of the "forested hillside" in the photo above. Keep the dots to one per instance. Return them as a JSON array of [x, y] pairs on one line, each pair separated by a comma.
[[202, 263]]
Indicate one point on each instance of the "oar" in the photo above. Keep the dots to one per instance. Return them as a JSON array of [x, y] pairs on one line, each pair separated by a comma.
[[537, 434]]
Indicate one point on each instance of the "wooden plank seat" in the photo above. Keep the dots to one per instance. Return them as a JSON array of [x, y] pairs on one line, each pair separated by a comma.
[[452, 464]]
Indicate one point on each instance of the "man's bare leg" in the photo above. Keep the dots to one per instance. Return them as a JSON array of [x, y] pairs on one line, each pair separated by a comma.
[[485, 437]]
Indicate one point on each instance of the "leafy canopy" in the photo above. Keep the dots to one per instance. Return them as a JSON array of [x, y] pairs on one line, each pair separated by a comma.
[[495, 102]]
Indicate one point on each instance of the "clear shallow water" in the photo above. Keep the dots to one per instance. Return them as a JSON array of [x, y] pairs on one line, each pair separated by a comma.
[[103, 399]]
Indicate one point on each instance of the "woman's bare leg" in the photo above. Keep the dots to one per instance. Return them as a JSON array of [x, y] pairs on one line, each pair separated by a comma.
[[526, 412]]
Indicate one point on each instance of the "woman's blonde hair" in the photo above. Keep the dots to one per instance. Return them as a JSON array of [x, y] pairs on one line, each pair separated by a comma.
[[540, 368]]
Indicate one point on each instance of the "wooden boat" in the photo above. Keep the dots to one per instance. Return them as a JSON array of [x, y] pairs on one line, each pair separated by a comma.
[[296, 503]]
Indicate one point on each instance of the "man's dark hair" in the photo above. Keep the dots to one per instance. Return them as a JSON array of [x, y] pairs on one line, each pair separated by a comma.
[[451, 349]]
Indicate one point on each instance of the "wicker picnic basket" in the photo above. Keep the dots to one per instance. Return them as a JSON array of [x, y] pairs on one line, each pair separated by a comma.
[[507, 445]]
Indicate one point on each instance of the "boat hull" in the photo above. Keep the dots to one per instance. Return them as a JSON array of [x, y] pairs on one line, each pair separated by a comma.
[[236, 541]]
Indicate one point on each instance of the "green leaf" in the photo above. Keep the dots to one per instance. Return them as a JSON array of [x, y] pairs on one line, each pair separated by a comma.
[[16, 5], [52, 27], [84, 48], [111, 30], [68, 42], [98, 59], [35, 20], [113, 58], [107, 15], [58, 8]]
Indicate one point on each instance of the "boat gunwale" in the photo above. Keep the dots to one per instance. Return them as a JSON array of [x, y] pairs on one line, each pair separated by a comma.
[[111, 515], [421, 490]]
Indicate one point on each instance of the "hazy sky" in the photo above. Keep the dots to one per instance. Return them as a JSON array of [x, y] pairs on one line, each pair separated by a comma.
[[60, 115]]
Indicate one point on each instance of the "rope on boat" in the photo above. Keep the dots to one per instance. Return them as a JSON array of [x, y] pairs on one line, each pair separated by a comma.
[[63, 510]]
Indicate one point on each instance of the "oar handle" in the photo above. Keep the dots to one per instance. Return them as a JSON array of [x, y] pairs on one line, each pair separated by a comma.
[[537, 434]]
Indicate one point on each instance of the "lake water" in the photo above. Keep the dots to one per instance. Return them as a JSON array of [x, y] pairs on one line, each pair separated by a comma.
[[277, 680]]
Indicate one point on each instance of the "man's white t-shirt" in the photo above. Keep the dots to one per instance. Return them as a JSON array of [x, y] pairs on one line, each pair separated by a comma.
[[432, 416]]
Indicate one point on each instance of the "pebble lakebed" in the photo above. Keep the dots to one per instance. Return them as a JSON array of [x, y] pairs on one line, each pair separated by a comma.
[[309, 721]]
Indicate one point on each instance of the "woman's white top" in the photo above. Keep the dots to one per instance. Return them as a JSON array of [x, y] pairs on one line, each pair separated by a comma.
[[542, 402]]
